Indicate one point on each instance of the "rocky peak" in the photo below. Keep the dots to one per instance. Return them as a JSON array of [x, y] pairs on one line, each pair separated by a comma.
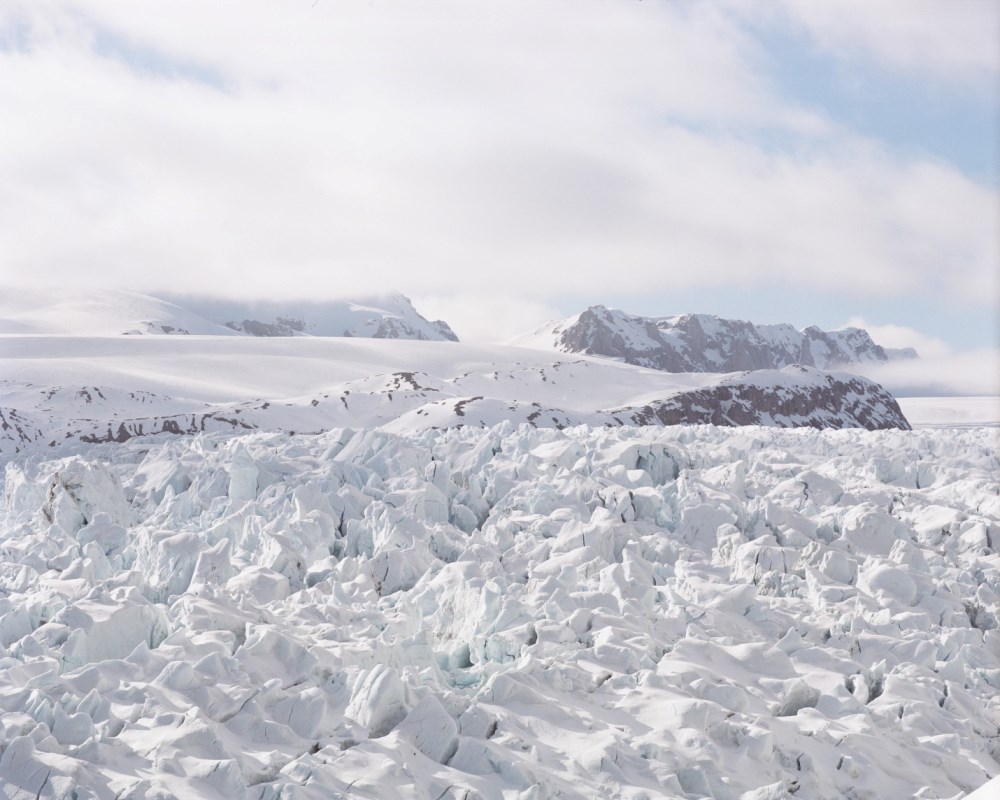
[[705, 343]]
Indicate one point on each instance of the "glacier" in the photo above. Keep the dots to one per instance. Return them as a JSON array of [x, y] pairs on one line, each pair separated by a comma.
[[504, 612]]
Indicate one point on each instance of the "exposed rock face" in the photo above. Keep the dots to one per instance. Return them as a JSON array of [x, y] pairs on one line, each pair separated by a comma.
[[793, 397], [282, 326], [704, 343], [444, 329], [156, 328], [400, 328]]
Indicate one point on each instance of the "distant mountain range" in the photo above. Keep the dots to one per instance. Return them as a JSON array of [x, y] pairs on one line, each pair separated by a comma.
[[686, 343], [390, 316], [111, 313], [705, 343], [293, 367]]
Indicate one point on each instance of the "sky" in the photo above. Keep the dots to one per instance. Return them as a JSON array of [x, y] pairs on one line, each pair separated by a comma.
[[504, 163]]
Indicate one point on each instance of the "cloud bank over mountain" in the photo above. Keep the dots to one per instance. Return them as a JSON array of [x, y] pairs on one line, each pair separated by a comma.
[[513, 150]]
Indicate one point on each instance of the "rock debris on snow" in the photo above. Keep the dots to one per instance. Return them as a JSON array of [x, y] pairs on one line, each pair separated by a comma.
[[57, 419]]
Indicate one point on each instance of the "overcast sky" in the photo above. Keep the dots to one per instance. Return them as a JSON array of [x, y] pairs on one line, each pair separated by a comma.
[[506, 162]]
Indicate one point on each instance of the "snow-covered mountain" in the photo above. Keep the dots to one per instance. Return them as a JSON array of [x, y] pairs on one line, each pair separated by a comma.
[[98, 313], [60, 393], [108, 313], [383, 317], [704, 343], [390, 316]]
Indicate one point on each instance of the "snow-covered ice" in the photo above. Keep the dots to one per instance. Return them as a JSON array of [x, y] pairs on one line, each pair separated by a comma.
[[511, 612]]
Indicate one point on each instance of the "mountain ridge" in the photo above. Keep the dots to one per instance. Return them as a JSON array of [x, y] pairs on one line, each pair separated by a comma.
[[705, 343], [389, 316], [116, 312]]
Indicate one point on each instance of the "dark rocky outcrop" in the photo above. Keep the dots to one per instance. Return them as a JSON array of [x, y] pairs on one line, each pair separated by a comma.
[[280, 327], [793, 397]]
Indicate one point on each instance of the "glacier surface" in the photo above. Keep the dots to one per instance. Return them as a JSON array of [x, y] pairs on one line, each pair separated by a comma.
[[685, 612]]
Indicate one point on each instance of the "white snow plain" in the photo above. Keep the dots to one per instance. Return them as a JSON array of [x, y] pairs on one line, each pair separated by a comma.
[[59, 390], [689, 612], [948, 412]]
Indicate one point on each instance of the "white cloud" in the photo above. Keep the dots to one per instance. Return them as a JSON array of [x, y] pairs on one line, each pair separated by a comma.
[[953, 40], [491, 319], [900, 336], [939, 370], [972, 373], [448, 149]]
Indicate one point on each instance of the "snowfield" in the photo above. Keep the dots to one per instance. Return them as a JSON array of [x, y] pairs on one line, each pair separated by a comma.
[[60, 392], [681, 612], [103, 312]]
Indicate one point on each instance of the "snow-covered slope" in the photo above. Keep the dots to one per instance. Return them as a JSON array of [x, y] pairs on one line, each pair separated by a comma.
[[951, 412], [389, 316], [668, 613], [704, 343], [108, 313], [98, 313], [64, 392]]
